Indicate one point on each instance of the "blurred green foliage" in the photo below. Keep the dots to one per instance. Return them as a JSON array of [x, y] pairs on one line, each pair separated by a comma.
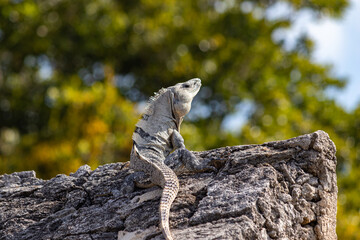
[[72, 73]]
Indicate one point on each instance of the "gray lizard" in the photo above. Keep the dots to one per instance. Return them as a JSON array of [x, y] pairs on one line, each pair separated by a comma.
[[157, 144]]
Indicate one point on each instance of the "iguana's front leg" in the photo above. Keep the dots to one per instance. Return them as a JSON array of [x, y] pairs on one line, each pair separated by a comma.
[[183, 157]]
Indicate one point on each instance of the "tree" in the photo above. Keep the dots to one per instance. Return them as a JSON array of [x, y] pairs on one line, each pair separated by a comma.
[[71, 72]]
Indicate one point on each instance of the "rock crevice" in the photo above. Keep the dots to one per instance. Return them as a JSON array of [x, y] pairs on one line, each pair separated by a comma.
[[277, 190]]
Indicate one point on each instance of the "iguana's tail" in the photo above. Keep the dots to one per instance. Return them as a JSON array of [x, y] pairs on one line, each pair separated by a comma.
[[170, 191], [165, 177]]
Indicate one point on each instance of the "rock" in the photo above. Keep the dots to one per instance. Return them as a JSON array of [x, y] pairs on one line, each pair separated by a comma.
[[277, 190]]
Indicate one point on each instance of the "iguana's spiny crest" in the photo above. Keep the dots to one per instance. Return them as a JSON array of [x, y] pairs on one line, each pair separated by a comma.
[[157, 144], [181, 96]]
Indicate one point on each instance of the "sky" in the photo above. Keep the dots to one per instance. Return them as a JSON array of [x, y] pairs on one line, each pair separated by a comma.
[[337, 42]]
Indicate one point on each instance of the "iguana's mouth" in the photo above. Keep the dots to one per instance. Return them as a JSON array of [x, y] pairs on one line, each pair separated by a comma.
[[196, 89], [197, 83]]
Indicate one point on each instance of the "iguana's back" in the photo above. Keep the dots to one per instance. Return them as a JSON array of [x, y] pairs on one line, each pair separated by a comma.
[[156, 135]]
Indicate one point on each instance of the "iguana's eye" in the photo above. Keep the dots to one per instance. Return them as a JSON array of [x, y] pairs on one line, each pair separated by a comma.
[[186, 85]]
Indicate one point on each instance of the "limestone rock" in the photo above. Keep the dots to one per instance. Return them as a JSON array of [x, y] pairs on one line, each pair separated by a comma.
[[277, 190]]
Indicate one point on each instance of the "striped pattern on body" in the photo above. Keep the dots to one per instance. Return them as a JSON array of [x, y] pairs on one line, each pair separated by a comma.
[[169, 193], [163, 176]]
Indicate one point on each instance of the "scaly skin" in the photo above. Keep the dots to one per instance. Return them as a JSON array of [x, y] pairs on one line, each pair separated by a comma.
[[156, 136], [169, 193]]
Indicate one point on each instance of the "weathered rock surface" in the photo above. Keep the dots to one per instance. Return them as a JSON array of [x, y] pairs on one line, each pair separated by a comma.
[[277, 190]]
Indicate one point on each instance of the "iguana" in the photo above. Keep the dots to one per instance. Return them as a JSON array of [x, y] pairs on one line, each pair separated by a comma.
[[157, 143]]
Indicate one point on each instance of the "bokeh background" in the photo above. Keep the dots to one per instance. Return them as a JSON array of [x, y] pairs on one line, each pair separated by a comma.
[[74, 76]]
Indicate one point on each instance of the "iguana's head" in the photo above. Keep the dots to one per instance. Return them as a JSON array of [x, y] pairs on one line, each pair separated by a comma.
[[184, 93]]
